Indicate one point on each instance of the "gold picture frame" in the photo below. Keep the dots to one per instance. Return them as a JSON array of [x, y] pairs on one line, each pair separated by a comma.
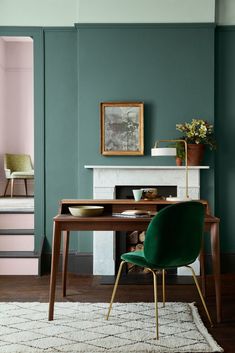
[[122, 128]]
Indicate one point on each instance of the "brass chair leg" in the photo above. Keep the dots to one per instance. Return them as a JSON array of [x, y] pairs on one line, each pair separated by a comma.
[[5, 191], [155, 301], [200, 294], [115, 288], [163, 288]]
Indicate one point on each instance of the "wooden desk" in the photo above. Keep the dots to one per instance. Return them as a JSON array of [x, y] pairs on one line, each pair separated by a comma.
[[66, 223]]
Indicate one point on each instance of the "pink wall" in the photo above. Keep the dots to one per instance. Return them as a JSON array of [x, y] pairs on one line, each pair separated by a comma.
[[16, 93], [2, 98]]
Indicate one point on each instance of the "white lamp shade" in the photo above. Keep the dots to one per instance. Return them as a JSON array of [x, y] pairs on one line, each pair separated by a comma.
[[165, 151]]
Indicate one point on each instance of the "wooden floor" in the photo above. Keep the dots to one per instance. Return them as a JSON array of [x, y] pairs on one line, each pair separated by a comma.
[[89, 289]]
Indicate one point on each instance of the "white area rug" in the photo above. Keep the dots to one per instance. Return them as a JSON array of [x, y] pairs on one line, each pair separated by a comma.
[[82, 327]]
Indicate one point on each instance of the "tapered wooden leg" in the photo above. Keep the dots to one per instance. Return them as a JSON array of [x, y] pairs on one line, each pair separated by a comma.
[[5, 191], [202, 268], [54, 267], [25, 185], [65, 260], [12, 186], [215, 250]]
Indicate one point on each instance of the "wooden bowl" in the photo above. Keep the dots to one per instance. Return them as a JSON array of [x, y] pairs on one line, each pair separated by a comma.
[[86, 211]]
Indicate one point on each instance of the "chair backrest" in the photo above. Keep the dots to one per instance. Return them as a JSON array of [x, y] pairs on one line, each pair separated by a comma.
[[18, 162], [174, 235]]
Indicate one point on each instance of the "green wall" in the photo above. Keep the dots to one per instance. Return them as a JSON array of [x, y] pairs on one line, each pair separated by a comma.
[[168, 67], [225, 127], [61, 122]]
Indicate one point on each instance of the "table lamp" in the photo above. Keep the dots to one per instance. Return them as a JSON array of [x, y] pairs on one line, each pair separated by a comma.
[[156, 151]]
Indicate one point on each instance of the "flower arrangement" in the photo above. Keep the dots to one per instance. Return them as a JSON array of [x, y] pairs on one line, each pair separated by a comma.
[[198, 132]]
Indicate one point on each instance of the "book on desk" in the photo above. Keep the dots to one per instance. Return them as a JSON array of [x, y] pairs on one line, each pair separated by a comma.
[[134, 214]]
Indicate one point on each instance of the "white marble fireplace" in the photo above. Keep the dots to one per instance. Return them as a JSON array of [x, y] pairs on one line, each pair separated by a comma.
[[106, 178]]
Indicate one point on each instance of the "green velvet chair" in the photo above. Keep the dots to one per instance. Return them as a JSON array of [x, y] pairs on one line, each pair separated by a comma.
[[17, 166], [173, 239]]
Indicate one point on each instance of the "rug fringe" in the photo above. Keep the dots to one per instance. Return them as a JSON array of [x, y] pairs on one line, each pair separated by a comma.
[[203, 330]]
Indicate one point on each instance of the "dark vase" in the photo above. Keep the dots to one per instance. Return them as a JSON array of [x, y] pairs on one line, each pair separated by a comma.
[[195, 153]]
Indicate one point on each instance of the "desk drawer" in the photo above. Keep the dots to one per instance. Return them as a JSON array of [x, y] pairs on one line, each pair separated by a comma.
[[120, 208]]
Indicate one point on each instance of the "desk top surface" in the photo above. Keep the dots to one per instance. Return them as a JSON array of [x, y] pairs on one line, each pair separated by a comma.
[[120, 201], [107, 221], [110, 218], [119, 205]]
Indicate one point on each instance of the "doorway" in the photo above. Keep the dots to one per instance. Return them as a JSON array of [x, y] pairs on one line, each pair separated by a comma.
[[17, 239], [16, 112], [39, 159]]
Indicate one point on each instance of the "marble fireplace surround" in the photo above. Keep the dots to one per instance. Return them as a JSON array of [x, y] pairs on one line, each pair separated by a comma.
[[106, 178]]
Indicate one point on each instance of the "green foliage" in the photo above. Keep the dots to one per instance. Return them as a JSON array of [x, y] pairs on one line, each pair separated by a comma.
[[198, 131], [180, 150]]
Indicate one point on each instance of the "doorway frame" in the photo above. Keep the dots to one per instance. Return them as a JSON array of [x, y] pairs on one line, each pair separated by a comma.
[[37, 34]]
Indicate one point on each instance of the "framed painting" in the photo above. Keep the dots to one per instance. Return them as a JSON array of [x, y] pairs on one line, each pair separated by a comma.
[[122, 129]]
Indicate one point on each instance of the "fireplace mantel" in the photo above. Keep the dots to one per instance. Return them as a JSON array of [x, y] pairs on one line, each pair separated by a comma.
[[143, 167], [105, 180]]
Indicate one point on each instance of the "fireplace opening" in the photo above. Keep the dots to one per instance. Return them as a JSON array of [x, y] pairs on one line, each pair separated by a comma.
[[125, 191], [134, 240]]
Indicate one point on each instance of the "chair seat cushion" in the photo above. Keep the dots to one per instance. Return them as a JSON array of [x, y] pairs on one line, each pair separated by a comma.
[[22, 175], [137, 258]]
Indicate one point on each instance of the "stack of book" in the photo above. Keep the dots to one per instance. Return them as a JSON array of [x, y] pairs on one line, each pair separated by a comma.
[[133, 214]]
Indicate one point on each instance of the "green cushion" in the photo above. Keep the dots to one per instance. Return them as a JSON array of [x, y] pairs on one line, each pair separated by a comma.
[[136, 257]]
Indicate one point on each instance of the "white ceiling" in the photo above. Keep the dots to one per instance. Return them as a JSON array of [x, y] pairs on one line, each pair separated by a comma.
[[47, 13]]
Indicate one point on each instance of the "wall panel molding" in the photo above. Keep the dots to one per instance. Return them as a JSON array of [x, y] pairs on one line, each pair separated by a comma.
[[145, 25]]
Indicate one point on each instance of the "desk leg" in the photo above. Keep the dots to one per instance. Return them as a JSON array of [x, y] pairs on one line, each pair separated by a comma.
[[65, 260], [54, 267], [215, 249]]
